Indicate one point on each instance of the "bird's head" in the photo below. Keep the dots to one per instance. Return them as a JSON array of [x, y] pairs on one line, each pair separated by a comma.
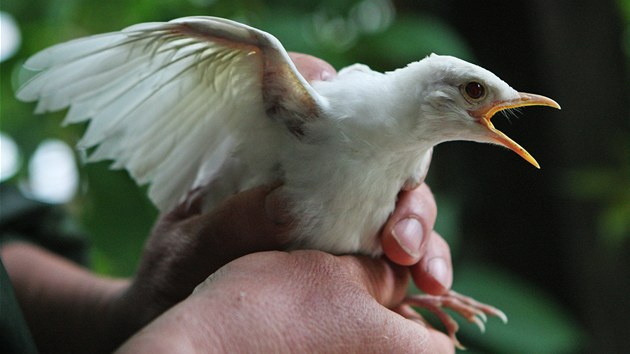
[[458, 99]]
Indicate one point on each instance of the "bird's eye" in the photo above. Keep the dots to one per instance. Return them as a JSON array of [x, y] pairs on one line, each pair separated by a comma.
[[474, 90]]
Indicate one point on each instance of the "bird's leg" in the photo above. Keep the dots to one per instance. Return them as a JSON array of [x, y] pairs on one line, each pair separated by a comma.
[[469, 308]]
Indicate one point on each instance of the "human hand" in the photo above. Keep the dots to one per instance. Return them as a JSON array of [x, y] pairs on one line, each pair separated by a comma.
[[302, 301]]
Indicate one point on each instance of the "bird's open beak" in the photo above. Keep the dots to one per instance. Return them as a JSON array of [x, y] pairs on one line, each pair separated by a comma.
[[525, 99]]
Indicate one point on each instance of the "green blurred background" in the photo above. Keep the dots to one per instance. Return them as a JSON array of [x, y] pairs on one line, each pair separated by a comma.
[[550, 247]]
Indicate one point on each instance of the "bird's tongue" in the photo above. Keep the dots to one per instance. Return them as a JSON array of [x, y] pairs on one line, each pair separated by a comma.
[[525, 99]]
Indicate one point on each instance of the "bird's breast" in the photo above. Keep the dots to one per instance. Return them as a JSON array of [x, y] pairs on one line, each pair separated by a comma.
[[340, 196]]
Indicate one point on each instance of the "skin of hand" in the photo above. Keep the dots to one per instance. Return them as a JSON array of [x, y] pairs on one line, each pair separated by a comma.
[[187, 245], [300, 301]]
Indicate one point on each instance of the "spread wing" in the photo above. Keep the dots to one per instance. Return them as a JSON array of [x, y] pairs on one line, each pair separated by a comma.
[[172, 102]]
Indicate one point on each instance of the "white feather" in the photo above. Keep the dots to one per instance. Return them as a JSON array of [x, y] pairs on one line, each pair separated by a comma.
[[170, 102]]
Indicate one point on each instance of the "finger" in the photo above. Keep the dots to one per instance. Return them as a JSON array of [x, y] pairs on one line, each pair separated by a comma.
[[244, 223], [407, 230], [312, 68], [384, 281], [192, 205], [439, 341], [434, 273], [414, 335], [409, 313]]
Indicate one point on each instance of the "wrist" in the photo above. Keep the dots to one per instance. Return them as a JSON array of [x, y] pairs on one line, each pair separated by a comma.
[[131, 308]]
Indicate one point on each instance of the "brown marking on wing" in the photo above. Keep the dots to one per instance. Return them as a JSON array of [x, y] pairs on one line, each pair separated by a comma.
[[285, 98]]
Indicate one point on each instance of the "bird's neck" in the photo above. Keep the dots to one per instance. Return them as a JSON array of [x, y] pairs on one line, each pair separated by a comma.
[[375, 122], [374, 113]]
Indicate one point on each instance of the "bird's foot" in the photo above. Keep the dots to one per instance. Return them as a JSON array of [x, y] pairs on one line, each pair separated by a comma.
[[469, 308]]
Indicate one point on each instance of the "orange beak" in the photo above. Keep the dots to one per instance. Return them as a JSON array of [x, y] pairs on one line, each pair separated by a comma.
[[525, 99]]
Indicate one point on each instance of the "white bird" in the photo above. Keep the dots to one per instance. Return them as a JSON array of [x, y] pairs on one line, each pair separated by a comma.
[[205, 103]]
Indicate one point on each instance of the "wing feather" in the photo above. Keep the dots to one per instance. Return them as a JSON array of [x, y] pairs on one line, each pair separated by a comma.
[[177, 104]]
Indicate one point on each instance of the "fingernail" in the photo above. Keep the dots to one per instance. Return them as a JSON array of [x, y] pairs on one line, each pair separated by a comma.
[[409, 234], [438, 269], [276, 208]]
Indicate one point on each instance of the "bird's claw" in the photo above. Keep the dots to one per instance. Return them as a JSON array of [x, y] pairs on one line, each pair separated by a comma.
[[469, 308]]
